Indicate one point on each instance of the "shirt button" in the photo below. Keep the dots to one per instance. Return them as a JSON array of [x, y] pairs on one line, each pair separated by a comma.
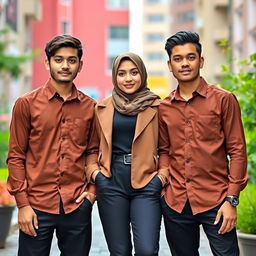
[[187, 160]]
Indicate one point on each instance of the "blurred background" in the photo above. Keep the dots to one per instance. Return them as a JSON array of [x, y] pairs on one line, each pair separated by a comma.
[[110, 27], [107, 28]]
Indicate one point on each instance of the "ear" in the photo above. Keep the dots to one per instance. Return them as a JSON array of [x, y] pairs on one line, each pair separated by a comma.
[[201, 62], [46, 64], [169, 65], [80, 65]]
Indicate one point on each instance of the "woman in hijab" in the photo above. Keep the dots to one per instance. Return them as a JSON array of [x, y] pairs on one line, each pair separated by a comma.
[[128, 182]]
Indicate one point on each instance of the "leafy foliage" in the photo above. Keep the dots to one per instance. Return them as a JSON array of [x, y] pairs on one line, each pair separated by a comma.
[[10, 63], [4, 137], [243, 85], [246, 210]]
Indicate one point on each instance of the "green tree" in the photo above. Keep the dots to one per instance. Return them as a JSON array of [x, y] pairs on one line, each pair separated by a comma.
[[243, 85], [11, 65]]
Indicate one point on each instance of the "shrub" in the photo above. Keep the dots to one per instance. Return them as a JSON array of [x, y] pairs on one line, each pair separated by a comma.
[[242, 84], [246, 210]]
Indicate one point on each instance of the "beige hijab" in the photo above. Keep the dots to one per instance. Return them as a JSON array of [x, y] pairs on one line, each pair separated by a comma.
[[131, 104]]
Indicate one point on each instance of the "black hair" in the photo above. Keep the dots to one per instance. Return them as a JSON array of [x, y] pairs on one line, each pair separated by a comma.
[[181, 38], [63, 41]]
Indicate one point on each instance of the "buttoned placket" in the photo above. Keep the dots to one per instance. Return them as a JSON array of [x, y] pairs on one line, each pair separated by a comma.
[[63, 145], [187, 143]]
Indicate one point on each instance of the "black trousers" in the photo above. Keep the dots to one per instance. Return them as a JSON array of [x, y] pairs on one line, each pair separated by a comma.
[[121, 208], [73, 232], [183, 233]]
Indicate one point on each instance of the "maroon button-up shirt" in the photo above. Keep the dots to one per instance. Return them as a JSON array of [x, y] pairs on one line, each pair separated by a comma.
[[197, 139], [51, 141]]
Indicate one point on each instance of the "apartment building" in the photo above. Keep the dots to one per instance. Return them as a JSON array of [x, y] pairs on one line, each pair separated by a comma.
[[243, 29]]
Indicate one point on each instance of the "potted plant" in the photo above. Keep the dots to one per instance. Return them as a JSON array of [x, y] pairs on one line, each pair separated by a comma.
[[246, 223], [7, 205], [242, 84]]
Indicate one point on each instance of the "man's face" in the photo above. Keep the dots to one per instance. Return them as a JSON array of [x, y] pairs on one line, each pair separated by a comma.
[[64, 65], [185, 62]]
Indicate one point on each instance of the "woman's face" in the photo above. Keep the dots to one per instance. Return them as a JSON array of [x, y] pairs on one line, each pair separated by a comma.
[[128, 77]]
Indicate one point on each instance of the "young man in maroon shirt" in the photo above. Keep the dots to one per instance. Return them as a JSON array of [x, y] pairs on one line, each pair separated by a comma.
[[51, 141], [202, 144]]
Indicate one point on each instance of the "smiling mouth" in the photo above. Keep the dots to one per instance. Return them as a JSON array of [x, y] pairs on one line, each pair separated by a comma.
[[128, 86], [65, 73], [185, 71]]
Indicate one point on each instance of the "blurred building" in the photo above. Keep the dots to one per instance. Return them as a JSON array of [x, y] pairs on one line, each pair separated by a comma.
[[149, 28], [213, 24], [243, 33], [17, 15]]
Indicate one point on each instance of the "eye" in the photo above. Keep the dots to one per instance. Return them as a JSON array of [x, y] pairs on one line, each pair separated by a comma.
[[177, 59], [135, 72], [58, 60], [72, 61], [191, 57], [122, 74]]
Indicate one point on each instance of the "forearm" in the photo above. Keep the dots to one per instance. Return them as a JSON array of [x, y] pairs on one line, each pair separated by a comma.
[[17, 185]]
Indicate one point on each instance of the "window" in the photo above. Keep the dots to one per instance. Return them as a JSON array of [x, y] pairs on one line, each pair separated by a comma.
[[155, 18], [184, 17], [157, 1], [65, 27], [66, 1], [118, 42], [155, 37], [119, 32], [118, 4]]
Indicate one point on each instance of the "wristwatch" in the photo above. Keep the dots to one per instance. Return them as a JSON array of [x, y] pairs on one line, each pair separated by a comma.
[[233, 200]]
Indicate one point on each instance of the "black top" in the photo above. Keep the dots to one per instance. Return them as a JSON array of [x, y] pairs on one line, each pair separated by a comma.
[[123, 133]]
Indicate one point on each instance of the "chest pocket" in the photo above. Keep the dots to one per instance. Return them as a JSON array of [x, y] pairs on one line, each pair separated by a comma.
[[79, 130], [207, 127]]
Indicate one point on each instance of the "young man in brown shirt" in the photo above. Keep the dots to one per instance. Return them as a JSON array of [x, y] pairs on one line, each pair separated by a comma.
[[202, 144], [51, 142]]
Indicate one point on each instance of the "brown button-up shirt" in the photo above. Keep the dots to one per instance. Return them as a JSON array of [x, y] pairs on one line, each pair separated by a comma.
[[197, 137], [51, 141]]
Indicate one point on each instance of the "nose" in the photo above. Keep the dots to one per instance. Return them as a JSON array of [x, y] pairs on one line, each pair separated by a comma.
[[184, 62], [128, 77], [65, 64]]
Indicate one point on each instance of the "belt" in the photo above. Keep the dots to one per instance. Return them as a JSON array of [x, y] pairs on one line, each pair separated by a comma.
[[126, 159]]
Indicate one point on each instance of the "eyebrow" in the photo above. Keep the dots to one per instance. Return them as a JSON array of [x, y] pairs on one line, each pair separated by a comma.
[[129, 69], [60, 56]]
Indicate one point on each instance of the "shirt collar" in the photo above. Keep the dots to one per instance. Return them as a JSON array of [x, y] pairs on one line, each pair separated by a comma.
[[201, 90], [51, 92]]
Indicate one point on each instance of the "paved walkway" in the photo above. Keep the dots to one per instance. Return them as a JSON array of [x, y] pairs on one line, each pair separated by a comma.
[[99, 247]]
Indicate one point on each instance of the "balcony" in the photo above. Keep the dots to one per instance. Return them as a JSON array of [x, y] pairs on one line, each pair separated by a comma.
[[221, 34], [221, 3], [32, 8]]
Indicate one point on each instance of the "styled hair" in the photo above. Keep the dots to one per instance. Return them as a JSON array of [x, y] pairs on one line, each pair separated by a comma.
[[63, 41], [181, 38]]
